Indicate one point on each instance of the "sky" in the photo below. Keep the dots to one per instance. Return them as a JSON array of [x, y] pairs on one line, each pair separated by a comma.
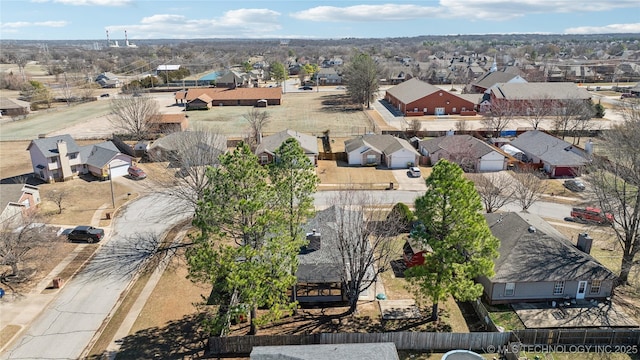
[[300, 19]]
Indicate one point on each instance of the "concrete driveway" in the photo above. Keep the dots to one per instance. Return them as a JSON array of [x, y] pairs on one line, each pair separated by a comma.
[[406, 182]]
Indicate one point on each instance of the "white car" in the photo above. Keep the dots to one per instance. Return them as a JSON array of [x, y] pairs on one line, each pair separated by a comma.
[[414, 171]]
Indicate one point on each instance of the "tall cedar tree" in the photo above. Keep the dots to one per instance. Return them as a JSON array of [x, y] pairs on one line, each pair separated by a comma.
[[243, 239], [362, 76], [462, 246], [294, 178]]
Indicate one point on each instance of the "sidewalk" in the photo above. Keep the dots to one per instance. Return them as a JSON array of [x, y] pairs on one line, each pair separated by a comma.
[[20, 310]]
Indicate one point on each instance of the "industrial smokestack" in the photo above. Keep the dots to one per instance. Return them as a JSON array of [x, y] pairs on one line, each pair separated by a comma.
[[126, 40]]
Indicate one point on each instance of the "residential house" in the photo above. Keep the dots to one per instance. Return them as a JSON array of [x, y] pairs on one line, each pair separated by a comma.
[[168, 123], [417, 98], [369, 351], [108, 80], [212, 97], [537, 263], [328, 76], [12, 107], [55, 158], [320, 278], [268, 145], [472, 154], [169, 147], [521, 98], [59, 158], [232, 79], [557, 157], [18, 199], [373, 150], [105, 161]]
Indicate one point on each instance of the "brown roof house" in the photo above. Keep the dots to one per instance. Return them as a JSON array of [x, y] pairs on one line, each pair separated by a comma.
[[558, 157], [417, 98], [12, 107], [204, 98], [537, 263], [168, 123], [268, 145], [472, 154], [373, 150]]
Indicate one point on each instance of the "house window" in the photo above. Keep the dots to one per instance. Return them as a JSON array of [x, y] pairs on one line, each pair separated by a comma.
[[595, 286], [372, 159], [264, 159], [453, 110], [558, 288], [73, 156], [509, 289], [52, 160]]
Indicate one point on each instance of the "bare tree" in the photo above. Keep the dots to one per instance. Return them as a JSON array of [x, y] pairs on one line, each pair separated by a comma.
[[415, 125], [190, 153], [364, 242], [538, 110], [528, 188], [59, 197], [462, 126], [133, 115], [495, 189], [499, 117], [20, 238], [257, 121], [615, 179], [570, 114]]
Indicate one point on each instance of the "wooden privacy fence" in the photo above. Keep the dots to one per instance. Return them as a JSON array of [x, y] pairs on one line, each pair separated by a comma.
[[604, 337], [423, 341]]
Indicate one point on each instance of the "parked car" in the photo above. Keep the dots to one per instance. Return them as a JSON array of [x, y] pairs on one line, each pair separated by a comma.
[[85, 233], [574, 185], [591, 215], [627, 95], [414, 171], [104, 95], [136, 173], [305, 88]]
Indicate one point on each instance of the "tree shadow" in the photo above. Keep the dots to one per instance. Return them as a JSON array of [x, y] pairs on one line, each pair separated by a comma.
[[338, 103], [27, 178], [179, 339]]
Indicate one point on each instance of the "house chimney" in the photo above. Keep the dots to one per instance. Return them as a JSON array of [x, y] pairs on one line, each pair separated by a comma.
[[314, 240], [584, 243]]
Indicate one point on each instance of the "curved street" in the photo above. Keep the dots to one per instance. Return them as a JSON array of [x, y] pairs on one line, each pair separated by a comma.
[[67, 326]]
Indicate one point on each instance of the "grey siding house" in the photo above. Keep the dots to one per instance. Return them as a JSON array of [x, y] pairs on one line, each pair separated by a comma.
[[537, 263]]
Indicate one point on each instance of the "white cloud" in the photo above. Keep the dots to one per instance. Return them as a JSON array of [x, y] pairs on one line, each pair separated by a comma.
[[240, 23], [24, 24], [95, 2], [390, 12], [607, 29], [497, 10]]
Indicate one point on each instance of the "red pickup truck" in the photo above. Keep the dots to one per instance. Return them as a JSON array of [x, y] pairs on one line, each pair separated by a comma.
[[592, 214]]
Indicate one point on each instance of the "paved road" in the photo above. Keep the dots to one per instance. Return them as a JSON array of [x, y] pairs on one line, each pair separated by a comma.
[[69, 323], [546, 209]]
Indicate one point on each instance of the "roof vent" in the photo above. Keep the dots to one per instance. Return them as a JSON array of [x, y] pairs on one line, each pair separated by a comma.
[[531, 229]]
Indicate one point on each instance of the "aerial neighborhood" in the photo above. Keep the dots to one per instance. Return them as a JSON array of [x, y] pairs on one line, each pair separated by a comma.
[[280, 202]]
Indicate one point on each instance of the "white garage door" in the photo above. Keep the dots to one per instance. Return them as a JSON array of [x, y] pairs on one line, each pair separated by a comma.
[[120, 170], [399, 160], [491, 165]]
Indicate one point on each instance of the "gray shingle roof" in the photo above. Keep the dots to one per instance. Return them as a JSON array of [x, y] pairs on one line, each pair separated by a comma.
[[453, 143], [270, 143], [385, 144], [98, 155], [412, 90], [491, 78], [542, 255], [548, 148], [49, 146], [541, 91], [369, 351]]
